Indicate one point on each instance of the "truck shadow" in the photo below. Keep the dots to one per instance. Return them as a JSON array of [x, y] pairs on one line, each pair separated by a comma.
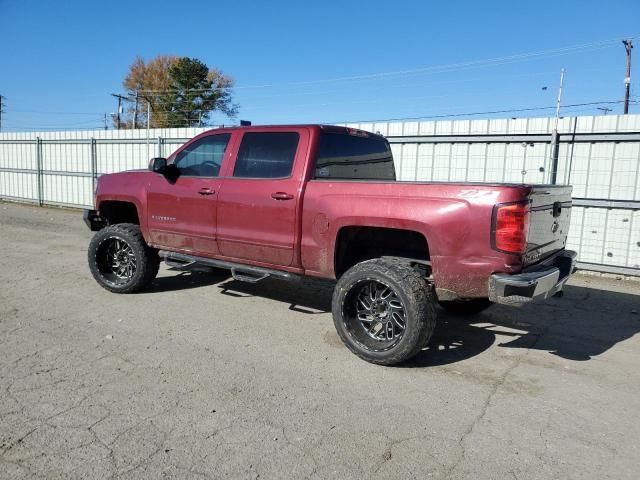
[[584, 323], [304, 295], [184, 280]]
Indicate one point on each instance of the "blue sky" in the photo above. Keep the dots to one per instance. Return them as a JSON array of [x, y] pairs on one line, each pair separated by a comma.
[[295, 61]]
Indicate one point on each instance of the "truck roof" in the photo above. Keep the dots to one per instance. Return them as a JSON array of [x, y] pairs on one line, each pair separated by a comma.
[[323, 127]]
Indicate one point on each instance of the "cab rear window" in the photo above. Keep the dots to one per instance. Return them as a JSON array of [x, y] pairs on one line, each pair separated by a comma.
[[343, 156]]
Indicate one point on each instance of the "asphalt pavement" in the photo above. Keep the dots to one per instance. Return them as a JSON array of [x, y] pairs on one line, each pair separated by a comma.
[[203, 376]]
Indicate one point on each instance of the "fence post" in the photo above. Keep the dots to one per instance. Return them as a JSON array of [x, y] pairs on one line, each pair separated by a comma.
[[160, 149], [94, 167], [39, 170]]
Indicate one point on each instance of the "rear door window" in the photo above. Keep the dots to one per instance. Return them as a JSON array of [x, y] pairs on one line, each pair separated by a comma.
[[266, 155]]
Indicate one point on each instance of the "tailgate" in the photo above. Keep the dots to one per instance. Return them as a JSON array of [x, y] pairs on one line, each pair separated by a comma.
[[549, 220]]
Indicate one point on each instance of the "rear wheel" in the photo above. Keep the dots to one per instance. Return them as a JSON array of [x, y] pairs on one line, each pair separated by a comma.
[[470, 306], [383, 311], [120, 260]]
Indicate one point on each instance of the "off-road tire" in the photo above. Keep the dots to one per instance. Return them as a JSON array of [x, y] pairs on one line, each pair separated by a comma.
[[415, 294], [466, 307], [147, 258]]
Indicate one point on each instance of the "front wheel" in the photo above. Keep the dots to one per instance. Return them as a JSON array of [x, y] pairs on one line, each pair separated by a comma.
[[120, 260], [383, 311]]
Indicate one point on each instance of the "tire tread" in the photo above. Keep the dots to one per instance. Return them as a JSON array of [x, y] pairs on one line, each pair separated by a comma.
[[422, 298]]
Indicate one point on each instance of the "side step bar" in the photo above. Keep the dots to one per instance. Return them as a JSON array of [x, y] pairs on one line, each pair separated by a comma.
[[239, 271]]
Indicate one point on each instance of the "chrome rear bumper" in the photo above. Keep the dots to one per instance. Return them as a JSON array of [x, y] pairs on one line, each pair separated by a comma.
[[544, 279]]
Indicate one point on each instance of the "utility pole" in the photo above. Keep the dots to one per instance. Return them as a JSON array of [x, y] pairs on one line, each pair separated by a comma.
[[628, 45], [135, 113], [1, 110], [148, 119], [120, 98], [559, 101], [105, 121], [555, 137], [605, 110]]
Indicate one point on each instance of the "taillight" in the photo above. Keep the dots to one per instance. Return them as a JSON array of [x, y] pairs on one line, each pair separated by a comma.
[[510, 227]]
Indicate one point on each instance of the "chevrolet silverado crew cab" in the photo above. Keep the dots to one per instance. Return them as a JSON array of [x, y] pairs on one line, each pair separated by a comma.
[[323, 201]]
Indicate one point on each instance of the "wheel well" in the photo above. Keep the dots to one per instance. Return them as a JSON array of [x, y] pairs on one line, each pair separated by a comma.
[[114, 211], [357, 244]]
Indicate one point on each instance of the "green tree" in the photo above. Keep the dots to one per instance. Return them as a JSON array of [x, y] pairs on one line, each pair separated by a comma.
[[197, 91], [181, 92], [152, 83]]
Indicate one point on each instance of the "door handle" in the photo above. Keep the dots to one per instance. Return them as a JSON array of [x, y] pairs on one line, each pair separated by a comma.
[[281, 196], [206, 191]]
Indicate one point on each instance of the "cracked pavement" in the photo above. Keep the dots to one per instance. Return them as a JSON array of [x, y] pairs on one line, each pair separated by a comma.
[[205, 377]]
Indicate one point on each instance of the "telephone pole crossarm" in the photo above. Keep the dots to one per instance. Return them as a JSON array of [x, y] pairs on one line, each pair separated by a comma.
[[120, 99]]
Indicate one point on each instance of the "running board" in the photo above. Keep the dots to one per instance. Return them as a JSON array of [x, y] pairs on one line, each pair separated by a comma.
[[239, 271], [179, 265], [242, 277]]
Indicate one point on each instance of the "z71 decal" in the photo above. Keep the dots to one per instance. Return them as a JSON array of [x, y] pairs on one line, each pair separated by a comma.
[[479, 194]]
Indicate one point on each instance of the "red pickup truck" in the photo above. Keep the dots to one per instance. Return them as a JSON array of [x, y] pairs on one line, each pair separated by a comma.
[[323, 201]]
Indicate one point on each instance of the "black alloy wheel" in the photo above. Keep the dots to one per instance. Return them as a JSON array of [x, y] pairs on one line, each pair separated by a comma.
[[384, 310], [120, 260]]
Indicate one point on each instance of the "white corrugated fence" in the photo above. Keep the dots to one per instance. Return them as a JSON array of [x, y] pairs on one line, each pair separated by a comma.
[[598, 155]]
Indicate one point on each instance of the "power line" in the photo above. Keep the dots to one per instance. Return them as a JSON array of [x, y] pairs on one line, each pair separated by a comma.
[[420, 84], [488, 112], [390, 75], [430, 69], [372, 91], [573, 108], [395, 95], [509, 59], [465, 65], [48, 112], [83, 122], [566, 108], [96, 127], [334, 90]]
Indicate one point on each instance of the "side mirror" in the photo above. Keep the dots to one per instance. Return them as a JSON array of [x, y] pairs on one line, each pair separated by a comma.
[[158, 165]]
